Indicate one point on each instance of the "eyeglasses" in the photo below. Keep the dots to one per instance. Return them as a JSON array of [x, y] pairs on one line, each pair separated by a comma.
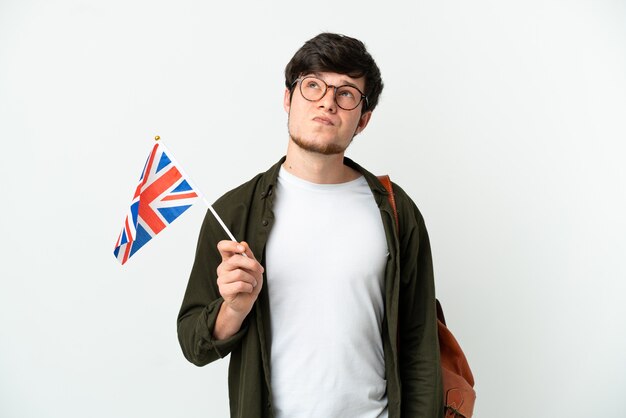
[[346, 97]]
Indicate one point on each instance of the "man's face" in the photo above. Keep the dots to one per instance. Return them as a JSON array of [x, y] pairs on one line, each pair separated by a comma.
[[322, 126]]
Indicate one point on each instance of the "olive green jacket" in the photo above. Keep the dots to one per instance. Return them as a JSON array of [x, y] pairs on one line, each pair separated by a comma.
[[411, 349]]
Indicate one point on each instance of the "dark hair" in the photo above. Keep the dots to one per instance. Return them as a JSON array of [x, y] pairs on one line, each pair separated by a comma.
[[338, 54]]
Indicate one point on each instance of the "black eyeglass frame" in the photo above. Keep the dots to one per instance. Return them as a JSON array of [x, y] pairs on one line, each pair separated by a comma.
[[363, 96]]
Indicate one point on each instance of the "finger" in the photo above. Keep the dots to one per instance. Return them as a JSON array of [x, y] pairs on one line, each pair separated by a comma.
[[232, 289], [246, 250], [229, 248], [238, 275], [239, 261]]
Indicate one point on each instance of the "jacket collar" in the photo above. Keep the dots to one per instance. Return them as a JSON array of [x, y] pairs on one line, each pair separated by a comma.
[[268, 182]]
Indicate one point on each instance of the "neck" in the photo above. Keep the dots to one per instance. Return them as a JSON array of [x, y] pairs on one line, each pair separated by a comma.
[[317, 168]]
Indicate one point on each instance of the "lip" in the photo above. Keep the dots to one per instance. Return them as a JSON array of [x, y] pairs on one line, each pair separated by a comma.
[[323, 120]]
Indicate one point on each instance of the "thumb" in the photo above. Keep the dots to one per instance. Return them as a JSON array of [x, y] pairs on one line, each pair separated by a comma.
[[246, 250]]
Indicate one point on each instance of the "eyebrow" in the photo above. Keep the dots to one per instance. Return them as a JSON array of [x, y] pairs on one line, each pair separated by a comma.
[[345, 82]]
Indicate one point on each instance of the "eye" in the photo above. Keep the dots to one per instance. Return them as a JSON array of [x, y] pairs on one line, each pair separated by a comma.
[[347, 93], [312, 84]]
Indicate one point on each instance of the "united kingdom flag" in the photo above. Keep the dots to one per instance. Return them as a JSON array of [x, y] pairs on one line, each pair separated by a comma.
[[162, 195]]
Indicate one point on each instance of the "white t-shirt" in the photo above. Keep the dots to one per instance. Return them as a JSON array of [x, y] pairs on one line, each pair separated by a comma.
[[325, 262]]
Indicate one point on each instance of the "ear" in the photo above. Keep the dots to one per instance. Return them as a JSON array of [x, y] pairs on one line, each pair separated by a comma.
[[363, 121], [287, 100]]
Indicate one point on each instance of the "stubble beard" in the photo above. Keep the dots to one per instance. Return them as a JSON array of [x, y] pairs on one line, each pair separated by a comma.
[[324, 149], [312, 146]]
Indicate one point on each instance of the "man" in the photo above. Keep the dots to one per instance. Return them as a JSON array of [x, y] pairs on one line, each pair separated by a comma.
[[326, 309]]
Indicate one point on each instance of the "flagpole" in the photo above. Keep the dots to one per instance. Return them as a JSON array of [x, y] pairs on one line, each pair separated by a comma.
[[192, 184]]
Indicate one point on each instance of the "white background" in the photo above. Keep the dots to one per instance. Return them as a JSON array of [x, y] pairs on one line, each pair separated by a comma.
[[504, 120]]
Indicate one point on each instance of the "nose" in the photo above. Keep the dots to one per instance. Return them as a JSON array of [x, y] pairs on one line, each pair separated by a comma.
[[328, 99]]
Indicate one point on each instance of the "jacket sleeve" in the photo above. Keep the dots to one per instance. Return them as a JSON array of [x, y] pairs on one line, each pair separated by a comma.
[[202, 301], [419, 359]]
